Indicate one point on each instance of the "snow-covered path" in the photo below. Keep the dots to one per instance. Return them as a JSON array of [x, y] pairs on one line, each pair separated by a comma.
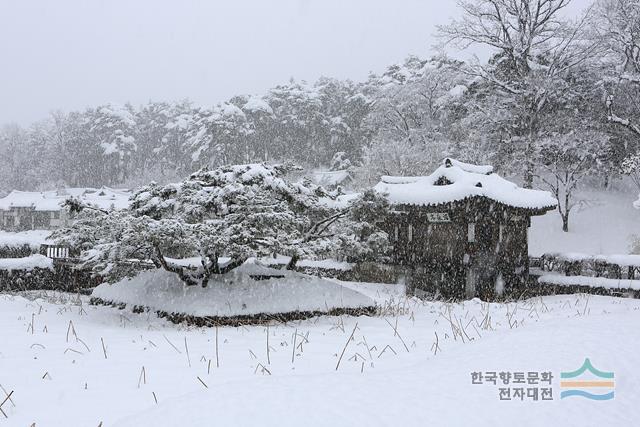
[[60, 376]]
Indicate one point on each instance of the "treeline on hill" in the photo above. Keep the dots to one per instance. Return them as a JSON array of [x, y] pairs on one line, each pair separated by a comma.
[[556, 103]]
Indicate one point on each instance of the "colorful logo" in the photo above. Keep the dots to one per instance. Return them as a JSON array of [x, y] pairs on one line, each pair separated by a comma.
[[596, 385]]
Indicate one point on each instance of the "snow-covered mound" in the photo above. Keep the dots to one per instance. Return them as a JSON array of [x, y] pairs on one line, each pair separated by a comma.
[[26, 263], [455, 181], [247, 290]]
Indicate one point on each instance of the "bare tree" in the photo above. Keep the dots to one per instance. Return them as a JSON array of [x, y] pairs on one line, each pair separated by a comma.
[[566, 160], [535, 48], [618, 26]]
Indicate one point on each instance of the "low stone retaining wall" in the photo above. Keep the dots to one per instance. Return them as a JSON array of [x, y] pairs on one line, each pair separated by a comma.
[[59, 278], [240, 320]]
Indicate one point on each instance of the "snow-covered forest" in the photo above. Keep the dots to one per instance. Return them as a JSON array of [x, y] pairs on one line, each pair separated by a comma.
[[555, 103]]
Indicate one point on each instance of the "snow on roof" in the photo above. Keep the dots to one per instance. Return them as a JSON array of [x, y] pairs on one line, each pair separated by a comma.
[[455, 181], [341, 202], [41, 201], [31, 238], [330, 178], [103, 198]]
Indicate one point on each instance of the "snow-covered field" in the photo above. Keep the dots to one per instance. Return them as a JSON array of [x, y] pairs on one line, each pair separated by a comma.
[[604, 226], [153, 373]]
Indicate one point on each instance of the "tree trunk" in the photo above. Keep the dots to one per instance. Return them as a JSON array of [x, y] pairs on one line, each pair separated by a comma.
[[567, 209], [529, 152], [292, 262]]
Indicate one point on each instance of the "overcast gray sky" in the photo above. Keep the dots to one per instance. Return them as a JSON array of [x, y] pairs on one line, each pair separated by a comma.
[[69, 54]]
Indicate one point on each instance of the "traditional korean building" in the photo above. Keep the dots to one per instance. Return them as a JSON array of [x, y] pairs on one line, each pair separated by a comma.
[[461, 231], [42, 210]]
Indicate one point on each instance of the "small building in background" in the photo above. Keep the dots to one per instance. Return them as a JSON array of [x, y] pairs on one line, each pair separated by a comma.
[[462, 231], [331, 180], [42, 210]]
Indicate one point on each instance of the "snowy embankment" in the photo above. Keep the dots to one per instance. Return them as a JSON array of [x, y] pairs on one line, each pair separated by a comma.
[[619, 259], [324, 264], [248, 290], [70, 364], [26, 263], [591, 282]]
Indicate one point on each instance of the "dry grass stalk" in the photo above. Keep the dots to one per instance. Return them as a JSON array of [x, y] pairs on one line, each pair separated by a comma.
[[8, 395], [263, 369], [171, 344], [385, 349], [217, 358], [143, 377], [346, 345], [4, 401], [104, 348], [84, 344], [202, 382], [395, 333], [268, 352], [71, 329], [436, 345], [186, 347], [293, 350]]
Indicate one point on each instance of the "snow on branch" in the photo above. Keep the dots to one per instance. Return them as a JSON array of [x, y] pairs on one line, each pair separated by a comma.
[[223, 217]]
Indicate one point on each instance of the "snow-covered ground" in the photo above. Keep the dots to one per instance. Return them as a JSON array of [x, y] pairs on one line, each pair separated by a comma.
[[52, 357], [604, 226]]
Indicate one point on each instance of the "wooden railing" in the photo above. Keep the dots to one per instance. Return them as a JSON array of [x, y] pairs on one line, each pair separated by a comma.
[[57, 252]]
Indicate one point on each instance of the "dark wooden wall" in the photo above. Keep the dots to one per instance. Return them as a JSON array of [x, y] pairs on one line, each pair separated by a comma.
[[440, 256]]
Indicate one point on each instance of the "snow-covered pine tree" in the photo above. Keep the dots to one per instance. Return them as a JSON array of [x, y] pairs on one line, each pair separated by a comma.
[[222, 217]]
